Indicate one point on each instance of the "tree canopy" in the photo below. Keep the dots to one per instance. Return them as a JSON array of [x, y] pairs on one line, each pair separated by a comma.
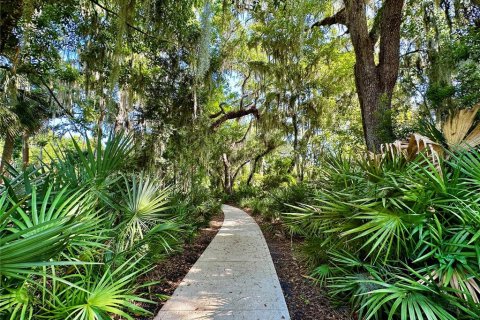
[[240, 80], [361, 105]]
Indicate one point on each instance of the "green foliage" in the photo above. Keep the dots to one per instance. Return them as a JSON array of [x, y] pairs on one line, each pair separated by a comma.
[[269, 203], [443, 67], [174, 74], [74, 237], [197, 207], [244, 191], [33, 236], [258, 205], [143, 208], [94, 296], [94, 164], [438, 93], [396, 239]]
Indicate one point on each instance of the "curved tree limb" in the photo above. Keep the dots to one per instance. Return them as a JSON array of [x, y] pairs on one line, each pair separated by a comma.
[[222, 111], [270, 148], [244, 83], [239, 168], [245, 135], [234, 115], [67, 112], [131, 26], [338, 18]]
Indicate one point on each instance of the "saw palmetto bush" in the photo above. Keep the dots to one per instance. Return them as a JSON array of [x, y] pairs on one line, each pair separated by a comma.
[[76, 234], [397, 238]]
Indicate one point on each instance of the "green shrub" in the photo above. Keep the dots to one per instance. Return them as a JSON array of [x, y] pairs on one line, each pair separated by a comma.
[[402, 238], [275, 180], [75, 235], [270, 204], [197, 207], [243, 191], [207, 209], [255, 204]]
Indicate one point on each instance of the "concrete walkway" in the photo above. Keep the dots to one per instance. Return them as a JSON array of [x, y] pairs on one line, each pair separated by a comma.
[[233, 279]]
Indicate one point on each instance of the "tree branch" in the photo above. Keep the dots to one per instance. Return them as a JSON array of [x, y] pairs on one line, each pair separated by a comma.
[[67, 112], [245, 135], [52, 94], [126, 22], [234, 115], [338, 18], [411, 52], [270, 148], [222, 111], [243, 88], [239, 168]]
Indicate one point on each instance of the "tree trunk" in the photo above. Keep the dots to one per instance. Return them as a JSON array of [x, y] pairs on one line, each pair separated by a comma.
[[295, 144], [10, 15], [26, 149], [195, 102], [101, 118], [252, 172], [122, 121], [375, 107], [227, 180], [255, 162], [7, 151], [375, 83]]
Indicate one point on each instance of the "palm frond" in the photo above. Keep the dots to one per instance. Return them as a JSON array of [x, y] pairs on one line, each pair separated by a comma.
[[145, 207]]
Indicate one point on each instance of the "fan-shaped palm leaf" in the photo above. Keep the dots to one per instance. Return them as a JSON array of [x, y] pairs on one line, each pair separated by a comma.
[[30, 236], [109, 293], [144, 208]]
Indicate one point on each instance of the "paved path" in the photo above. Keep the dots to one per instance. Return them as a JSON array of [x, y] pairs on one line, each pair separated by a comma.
[[233, 279]]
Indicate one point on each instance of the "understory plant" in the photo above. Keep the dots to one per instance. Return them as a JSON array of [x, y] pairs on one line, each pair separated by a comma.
[[76, 234], [270, 203], [397, 238]]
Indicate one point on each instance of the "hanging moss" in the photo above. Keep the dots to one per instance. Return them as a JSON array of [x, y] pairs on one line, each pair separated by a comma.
[[203, 57], [126, 15]]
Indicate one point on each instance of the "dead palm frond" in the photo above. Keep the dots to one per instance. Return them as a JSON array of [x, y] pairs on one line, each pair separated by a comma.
[[409, 149], [464, 287], [458, 125]]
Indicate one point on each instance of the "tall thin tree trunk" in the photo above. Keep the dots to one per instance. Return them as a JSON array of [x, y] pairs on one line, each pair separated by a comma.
[[295, 144], [100, 125], [252, 171], [7, 151], [101, 118], [122, 121], [26, 149], [256, 160], [227, 181], [195, 102]]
